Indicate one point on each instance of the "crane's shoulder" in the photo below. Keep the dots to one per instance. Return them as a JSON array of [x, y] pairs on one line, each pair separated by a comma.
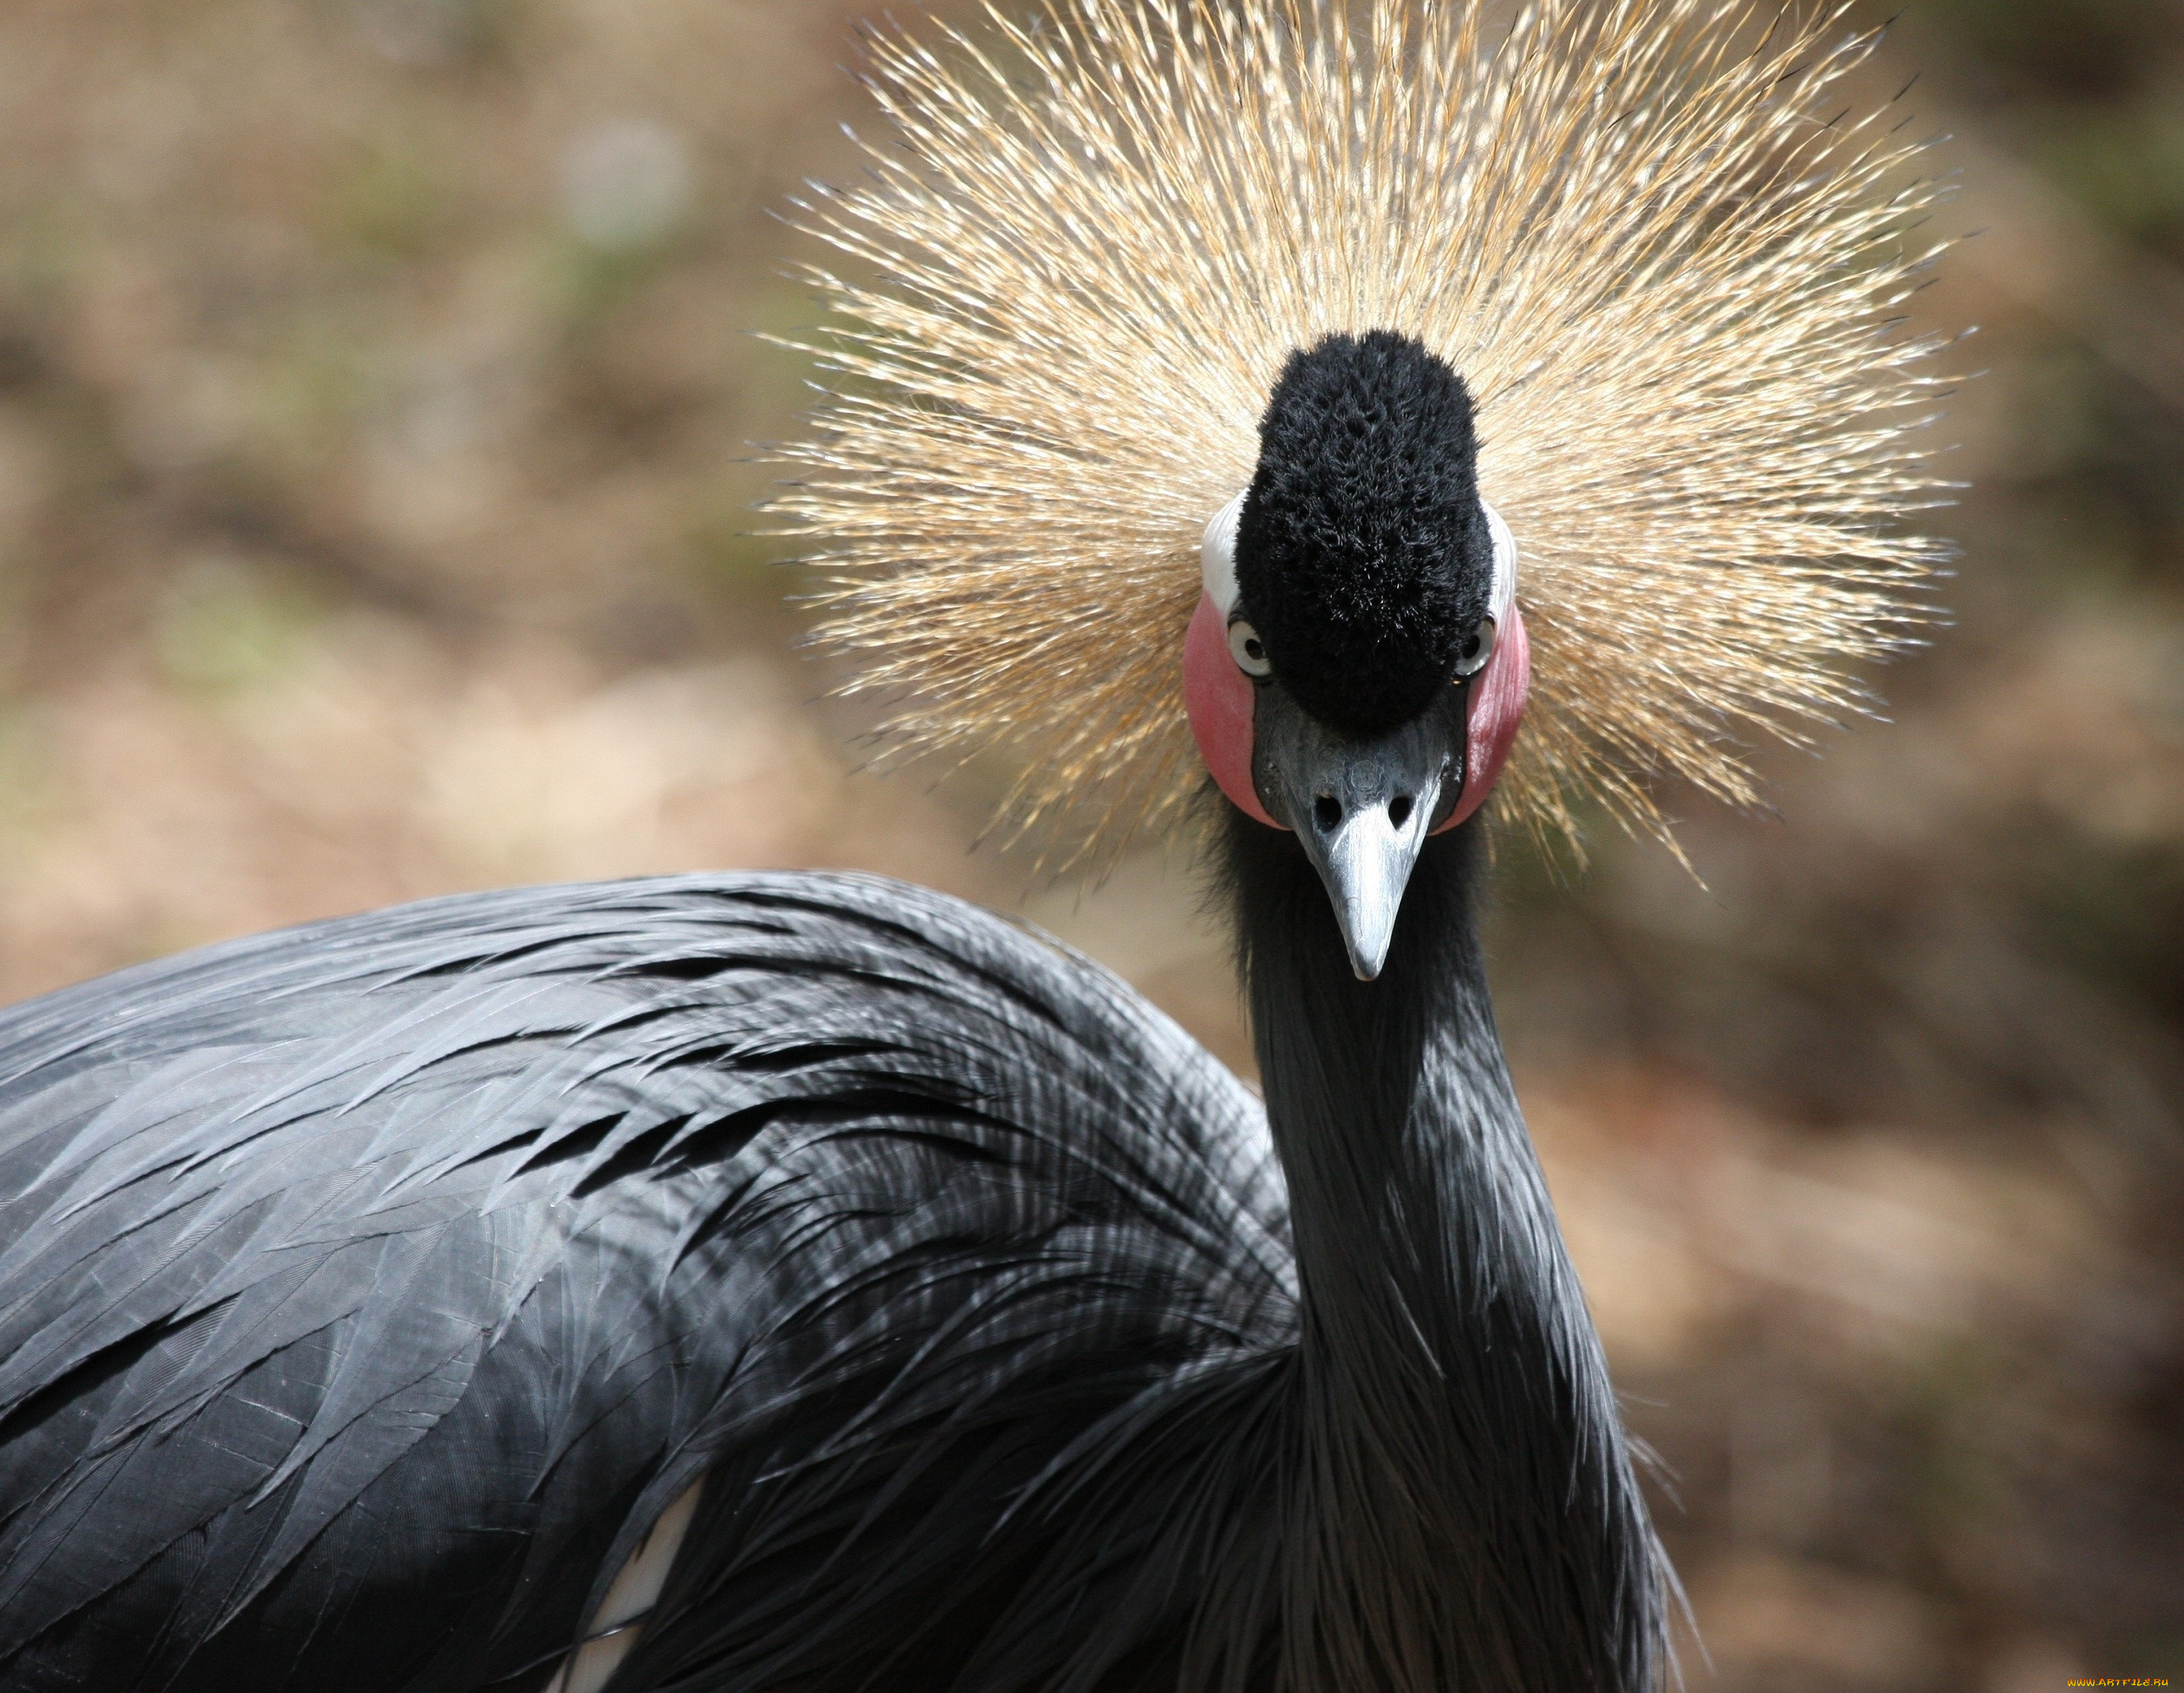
[[493, 1214]]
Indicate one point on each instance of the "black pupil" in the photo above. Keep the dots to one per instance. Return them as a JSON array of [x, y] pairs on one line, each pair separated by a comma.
[[1253, 650], [1471, 646]]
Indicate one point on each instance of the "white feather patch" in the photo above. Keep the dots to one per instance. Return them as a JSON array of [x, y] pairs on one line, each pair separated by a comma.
[[1217, 556], [635, 1591], [1503, 594]]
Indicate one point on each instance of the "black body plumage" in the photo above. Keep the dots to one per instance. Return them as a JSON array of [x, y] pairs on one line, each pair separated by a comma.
[[366, 1290]]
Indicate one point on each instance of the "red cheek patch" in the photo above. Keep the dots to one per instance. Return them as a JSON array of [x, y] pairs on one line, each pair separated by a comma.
[[1497, 709], [1222, 703]]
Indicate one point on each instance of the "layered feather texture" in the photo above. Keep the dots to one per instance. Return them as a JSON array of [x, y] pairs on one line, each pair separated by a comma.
[[1667, 265], [367, 1290]]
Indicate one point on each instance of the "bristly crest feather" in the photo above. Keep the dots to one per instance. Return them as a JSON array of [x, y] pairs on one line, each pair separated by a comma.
[[1669, 269]]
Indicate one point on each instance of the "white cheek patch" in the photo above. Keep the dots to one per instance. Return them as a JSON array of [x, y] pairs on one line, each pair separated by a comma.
[[1503, 595], [1216, 558]]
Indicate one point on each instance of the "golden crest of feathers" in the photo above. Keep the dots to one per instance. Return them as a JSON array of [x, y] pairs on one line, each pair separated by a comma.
[[1643, 231]]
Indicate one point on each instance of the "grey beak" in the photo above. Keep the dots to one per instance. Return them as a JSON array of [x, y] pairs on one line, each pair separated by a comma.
[[1366, 861], [1362, 808]]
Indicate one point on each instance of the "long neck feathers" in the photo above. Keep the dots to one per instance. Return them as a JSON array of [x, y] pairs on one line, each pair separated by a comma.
[[1458, 1510]]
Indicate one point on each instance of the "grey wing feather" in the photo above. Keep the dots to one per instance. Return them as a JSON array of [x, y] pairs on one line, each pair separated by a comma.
[[381, 1280]]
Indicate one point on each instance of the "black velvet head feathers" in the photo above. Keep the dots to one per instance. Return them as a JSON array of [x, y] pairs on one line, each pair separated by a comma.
[[1362, 557]]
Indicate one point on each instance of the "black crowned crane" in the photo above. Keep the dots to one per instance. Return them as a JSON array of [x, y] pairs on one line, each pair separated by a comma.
[[791, 1281]]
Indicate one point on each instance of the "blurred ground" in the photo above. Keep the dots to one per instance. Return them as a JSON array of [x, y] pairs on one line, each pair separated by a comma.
[[374, 375]]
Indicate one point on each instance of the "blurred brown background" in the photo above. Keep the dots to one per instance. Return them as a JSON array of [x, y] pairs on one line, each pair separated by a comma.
[[374, 379]]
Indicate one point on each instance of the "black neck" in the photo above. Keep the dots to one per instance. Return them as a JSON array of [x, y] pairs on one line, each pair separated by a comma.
[[1461, 1514]]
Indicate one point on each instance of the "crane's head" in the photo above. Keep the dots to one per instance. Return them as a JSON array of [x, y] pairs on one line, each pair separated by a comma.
[[1389, 295], [1356, 667]]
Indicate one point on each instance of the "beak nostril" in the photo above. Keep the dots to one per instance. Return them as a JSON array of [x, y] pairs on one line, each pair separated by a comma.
[[1399, 810], [1327, 812]]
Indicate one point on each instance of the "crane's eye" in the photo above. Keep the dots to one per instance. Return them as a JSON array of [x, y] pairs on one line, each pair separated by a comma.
[[1477, 648], [1249, 652]]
